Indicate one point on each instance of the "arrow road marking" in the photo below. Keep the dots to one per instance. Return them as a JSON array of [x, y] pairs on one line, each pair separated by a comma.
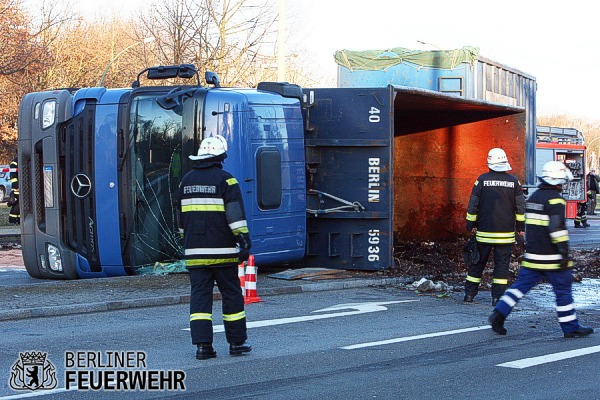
[[417, 337], [359, 308], [533, 361]]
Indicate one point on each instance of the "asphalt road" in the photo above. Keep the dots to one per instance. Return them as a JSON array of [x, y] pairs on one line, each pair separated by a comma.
[[365, 343], [390, 344]]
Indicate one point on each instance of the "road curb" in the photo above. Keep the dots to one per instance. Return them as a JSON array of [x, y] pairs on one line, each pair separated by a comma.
[[115, 305]]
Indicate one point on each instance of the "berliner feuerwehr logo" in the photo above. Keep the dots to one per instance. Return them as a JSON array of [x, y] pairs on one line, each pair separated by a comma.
[[33, 371]]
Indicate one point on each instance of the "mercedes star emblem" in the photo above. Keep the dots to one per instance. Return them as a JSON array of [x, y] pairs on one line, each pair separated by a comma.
[[81, 185]]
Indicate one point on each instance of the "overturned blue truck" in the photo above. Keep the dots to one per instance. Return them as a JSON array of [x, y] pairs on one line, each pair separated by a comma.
[[330, 177]]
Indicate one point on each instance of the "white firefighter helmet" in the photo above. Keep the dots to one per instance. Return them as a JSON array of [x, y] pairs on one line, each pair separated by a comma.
[[211, 147], [555, 173], [497, 160]]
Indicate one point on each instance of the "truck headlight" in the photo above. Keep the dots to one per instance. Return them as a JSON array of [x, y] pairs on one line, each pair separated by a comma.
[[54, 259]]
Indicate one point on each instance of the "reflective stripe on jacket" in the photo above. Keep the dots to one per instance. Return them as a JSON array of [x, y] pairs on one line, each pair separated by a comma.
[[546, 234], [211, 215]]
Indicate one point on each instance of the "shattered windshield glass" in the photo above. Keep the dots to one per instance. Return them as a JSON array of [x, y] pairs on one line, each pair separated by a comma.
[[155, 173]]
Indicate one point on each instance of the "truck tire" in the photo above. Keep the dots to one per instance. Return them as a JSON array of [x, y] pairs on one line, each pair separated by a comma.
[[2, 194]]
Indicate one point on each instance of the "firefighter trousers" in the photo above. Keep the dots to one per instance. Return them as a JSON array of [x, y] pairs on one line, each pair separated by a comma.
[[502, 254], [202, 281], [14, 215], [561, 281]]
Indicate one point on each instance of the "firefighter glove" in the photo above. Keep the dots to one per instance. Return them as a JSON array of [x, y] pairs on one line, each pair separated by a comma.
[[243, 241], [470, 226], [566, 263], [520, 238], [12, 199], [471, 252]]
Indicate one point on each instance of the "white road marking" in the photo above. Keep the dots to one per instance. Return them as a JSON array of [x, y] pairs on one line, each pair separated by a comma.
[[417, 337], [35, 394], [359, 308], [548, 358]]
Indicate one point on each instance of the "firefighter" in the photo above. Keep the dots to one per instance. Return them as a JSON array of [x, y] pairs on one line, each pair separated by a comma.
[[581, 217], [546, 254], [216, 240], [496, 208], [14, 214], [593, 185]]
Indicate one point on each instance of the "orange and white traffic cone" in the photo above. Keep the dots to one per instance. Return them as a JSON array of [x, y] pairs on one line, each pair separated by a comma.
[[242, 276], [251, 292]]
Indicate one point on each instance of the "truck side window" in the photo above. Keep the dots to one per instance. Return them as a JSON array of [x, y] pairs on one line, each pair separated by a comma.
[[268, 178]]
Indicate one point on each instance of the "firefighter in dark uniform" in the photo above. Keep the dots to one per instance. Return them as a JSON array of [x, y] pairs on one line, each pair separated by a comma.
[[546, 254], [14, 214], [593, 186], [581, 217], [496, 208], [216, 240]]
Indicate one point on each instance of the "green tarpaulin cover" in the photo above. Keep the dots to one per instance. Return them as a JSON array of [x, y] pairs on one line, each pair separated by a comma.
[[379, 60]]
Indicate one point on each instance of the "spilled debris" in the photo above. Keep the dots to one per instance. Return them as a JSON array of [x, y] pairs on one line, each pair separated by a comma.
[[312, 274]]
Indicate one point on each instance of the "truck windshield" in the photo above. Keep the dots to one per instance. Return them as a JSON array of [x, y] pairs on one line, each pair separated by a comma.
[[154, 176]]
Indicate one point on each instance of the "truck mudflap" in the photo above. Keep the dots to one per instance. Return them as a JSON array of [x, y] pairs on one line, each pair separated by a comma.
[[349, 196]]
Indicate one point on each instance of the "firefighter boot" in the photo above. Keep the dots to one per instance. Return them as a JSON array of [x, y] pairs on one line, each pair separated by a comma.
[[238, 349], [497, 292], [205, 351], [496, 320], [471, 290], [579, 332]]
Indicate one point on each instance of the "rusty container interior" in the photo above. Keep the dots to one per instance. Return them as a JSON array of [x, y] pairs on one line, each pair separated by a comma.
[[440, 148]]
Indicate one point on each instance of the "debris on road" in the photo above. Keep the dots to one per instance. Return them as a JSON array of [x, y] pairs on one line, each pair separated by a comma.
[[311, 274]]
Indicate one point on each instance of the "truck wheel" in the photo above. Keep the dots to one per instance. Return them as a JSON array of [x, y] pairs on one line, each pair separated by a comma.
[[2, 193]]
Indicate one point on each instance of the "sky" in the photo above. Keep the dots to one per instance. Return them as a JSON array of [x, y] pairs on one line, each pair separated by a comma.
[[556, 42]]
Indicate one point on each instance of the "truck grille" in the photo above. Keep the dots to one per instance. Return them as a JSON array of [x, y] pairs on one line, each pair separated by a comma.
[[77, 186], [40, 210], [25, 187]]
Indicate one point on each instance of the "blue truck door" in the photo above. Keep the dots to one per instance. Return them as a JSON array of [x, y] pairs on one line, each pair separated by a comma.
[[349, 151], [266, 155]]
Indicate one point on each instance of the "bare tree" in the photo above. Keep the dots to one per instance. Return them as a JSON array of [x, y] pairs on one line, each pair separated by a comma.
[[24, 52], [17, 47], [231, 37], [24, 41], [86, 49]]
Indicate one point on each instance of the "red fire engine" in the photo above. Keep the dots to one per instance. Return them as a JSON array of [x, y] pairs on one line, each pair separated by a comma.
[[565, 145]]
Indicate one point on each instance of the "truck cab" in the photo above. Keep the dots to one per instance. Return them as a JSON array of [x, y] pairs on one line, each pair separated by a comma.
[[100, 169]]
